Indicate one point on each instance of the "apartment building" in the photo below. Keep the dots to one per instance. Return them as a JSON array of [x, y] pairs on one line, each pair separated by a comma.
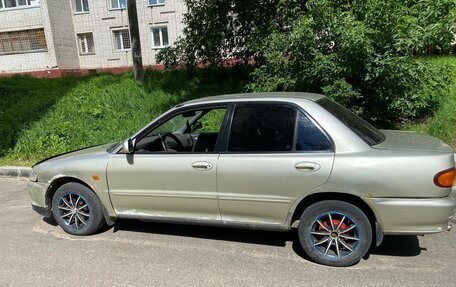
[[58, 36]]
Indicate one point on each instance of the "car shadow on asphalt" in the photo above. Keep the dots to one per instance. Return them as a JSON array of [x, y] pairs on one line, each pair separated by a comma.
[[402, 246], [399, 245], [258, 237], [50, 220]]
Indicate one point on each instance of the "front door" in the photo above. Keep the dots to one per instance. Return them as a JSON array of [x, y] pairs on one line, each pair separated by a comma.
[[168, 185], [172, 173]]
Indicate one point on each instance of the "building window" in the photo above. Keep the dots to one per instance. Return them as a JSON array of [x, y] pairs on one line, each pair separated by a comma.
[[160, 37], [5, 4], [22, 41], [81, 6], [156, 2], [122, 40], [86, 45], [118, 4]]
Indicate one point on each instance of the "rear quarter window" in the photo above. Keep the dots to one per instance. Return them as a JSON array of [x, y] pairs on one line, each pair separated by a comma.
[[309, 137]]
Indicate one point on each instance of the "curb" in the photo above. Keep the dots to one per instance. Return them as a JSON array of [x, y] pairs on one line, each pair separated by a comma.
[[15, 171]]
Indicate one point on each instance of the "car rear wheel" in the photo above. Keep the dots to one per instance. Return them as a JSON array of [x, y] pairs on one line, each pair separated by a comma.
[[335, 233], [77, 209]]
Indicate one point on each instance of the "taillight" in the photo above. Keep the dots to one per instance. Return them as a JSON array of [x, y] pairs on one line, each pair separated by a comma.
[[445, 178]]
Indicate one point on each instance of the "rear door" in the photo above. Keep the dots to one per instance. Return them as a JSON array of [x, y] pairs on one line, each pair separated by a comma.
[[275, 153]]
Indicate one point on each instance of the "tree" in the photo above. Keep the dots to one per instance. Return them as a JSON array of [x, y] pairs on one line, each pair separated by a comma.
[[216, 30], [135, 41], [360, 53]]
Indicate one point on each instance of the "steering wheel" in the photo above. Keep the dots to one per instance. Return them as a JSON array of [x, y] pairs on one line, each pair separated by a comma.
[[180, 146]]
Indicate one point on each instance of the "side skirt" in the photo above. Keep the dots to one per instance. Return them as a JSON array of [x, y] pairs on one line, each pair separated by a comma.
[[207, 222]]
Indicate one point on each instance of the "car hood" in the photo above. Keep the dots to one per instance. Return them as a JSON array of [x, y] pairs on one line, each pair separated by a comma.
[[412, 141], [77, 153]]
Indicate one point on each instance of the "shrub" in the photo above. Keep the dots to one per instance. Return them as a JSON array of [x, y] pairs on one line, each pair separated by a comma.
[[353, 52], [357, 52]]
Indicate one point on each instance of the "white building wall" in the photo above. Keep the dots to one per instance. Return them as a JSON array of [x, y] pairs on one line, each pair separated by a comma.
[[101, 20], [20, 19], [62, 24], [170, 15], [25, 19]]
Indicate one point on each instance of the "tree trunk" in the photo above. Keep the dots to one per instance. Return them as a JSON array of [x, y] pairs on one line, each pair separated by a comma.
[[135, 41]]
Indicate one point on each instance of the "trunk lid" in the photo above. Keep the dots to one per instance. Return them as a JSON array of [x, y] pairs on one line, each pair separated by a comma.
[[407, 140]]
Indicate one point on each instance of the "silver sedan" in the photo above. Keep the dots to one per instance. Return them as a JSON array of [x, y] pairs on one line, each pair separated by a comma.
[[261, 161]]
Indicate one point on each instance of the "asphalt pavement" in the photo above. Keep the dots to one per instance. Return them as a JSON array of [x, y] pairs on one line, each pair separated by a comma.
[[34, 252]]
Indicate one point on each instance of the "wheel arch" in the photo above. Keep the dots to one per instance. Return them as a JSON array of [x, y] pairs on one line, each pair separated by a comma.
[[345, 197], [58, 182]]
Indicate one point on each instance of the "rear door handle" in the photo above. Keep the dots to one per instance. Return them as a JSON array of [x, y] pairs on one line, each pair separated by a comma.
[[307, 166], [202, 165]]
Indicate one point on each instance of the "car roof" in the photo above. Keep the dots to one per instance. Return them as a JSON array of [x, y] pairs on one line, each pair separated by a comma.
[[256, 97]]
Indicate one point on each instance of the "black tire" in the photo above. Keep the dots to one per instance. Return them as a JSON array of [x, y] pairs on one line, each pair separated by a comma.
[[348, 223], [68, 209]]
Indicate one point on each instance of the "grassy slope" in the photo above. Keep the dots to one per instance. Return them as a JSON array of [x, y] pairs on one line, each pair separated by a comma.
[[442, 123], [59, 115]]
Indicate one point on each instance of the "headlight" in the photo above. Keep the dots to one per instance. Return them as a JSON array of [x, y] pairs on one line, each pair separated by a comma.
[[33, 177]]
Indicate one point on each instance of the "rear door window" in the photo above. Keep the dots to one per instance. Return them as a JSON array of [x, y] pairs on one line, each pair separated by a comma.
[[274, 128], [262, 128]]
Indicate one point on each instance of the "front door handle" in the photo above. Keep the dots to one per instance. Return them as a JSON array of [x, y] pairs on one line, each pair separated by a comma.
[[307, 166], [202, 165]]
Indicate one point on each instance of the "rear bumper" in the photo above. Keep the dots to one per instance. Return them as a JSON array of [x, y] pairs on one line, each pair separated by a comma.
[[415, 216]]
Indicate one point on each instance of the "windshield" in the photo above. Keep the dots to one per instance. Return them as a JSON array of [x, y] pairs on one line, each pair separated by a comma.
[[363, 129]]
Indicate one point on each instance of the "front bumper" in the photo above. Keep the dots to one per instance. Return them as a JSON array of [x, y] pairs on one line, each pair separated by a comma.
[[415, 216], [37, 192]]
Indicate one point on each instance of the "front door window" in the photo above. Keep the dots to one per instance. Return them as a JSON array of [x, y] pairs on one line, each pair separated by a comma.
[[190, 131]]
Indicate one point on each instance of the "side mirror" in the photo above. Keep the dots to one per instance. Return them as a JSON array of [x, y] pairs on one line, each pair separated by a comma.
[[128, 146]]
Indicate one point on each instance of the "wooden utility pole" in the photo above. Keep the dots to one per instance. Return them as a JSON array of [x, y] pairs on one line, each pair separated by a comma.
[[135, 41]]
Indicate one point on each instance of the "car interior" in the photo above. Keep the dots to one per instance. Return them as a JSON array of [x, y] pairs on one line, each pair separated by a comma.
[[192, 131]]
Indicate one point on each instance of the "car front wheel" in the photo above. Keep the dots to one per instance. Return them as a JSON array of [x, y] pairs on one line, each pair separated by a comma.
[[335, 233], [77, 209]]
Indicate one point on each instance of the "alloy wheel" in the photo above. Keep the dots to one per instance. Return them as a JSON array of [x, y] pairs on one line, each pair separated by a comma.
[[334, 234], [74, 211]]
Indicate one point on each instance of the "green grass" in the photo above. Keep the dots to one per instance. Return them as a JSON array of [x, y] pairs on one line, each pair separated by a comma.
[[442, 124], [43, 117]]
